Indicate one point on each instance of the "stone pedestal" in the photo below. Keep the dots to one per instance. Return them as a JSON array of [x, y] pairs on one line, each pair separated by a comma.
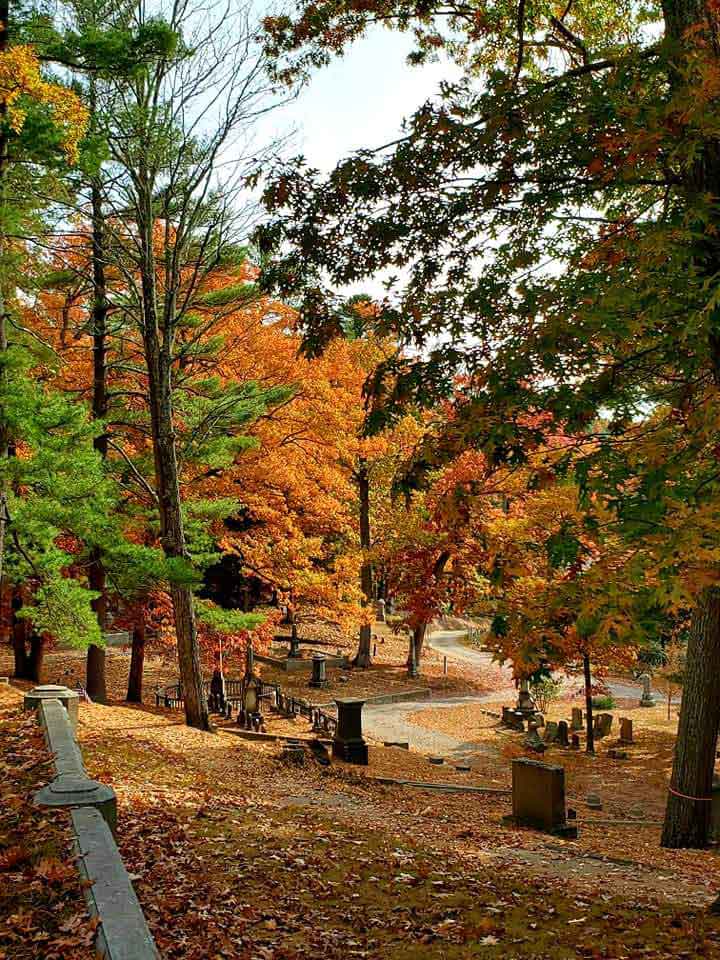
[[51, 691], [78, 791], [647, 699], [538, 797], [348, 743], [318, 679], [577, 719], [525, 703], [294, 644]]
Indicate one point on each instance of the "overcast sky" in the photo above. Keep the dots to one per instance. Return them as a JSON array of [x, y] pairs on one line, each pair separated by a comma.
[[361, 99]]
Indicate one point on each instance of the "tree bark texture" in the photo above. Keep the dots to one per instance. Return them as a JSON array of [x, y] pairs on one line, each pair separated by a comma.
[[687, 815], [137, 664]]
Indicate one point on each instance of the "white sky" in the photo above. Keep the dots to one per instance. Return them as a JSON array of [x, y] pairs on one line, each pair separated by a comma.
[[361, 99]]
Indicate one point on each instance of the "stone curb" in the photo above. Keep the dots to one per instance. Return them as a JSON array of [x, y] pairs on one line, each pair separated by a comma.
[[424, 693], [259, 736], [441, 787], [297, 664], [123, 933]]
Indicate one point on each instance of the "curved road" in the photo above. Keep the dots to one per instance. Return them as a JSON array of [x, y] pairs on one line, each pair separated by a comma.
[[389, 721]]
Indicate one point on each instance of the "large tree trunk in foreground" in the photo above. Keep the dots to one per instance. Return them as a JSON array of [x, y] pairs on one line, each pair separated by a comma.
[[687, 815], [589, 732], [95, 683], [363, 657], [137, 664]]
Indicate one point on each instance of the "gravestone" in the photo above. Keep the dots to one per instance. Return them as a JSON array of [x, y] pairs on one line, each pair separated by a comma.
[[562, 733], [525, 703], [616, 754], [576, 723], [294, 651], [626, 730], [538, 797], [594, 801], [602, 725], [348, 743], [51, 691], [380, 611], [216, 700], [575, 742], [551, 731], [647, 699], [533, 739], [318, 678], [513, 718]]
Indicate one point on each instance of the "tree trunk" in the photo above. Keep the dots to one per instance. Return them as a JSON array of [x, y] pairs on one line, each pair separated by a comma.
[[19, 639], [589, 732], [417, 642], [95, 682], [171, 524], [158, 358], [363, 657], [137, 664], [35, 660], [687, 815]]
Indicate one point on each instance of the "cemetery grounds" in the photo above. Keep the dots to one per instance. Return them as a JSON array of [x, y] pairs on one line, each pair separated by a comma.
[[237, 854]]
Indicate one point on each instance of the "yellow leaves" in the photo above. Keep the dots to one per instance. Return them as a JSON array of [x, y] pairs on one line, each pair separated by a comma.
[[20, 76]]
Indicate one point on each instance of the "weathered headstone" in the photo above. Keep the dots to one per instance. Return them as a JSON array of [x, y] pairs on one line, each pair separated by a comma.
[[576, 723], [626, 730], [380, 611], [348, 743], [294, 651], [513, 719], [647, 699], [616, 754], [602, 725], [538, 797], [318, 679], [594, 801], [575, 742], [525, 703], [551, 731], [562, 733], [216, 699], [51, 691], [533, 739]]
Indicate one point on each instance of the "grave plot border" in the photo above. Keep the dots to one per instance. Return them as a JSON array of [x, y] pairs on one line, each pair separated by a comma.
[[122, 933]]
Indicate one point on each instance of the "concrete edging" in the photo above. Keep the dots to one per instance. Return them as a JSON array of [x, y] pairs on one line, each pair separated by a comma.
[[440, 787], [122, 933]]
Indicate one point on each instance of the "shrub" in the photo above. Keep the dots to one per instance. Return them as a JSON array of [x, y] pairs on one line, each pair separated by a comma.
[[544, 691], [605, 702]]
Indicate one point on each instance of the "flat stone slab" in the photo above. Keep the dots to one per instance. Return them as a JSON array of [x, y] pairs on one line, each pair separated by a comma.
[[441, 787], [123, 933]]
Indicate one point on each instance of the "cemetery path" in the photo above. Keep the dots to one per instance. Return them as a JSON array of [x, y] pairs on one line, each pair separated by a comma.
[[449, 643], [389, 722]]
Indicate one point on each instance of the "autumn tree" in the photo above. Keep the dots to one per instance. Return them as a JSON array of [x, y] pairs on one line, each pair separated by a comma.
[[551, 220], [180, 219]]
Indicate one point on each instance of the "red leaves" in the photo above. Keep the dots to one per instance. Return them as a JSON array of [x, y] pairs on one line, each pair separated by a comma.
[[13, 857]]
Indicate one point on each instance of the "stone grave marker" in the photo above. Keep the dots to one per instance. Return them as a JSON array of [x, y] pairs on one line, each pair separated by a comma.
[[576, 723], [538, 797], [348, 743], [647, 699], [602, 725], [562, 733], [51, 691], [575, 742], [626, 730], [319, 678], [551, 731]]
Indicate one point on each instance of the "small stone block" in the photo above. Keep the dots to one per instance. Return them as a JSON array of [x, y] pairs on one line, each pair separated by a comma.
[[594, 801], [463, 767], [437, 760], [401, 744]]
